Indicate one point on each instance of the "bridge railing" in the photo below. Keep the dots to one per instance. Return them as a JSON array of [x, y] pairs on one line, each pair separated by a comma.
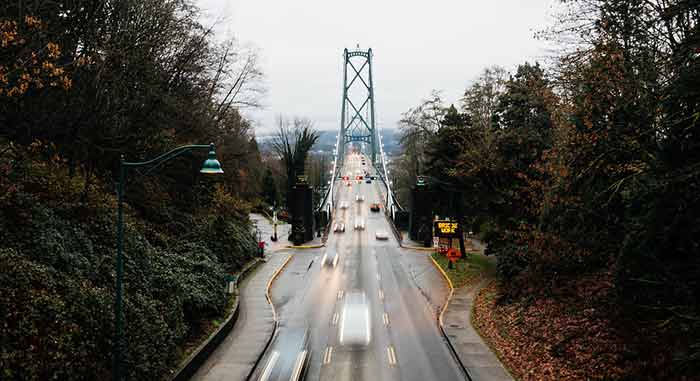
[[327, 203], [391, 202]]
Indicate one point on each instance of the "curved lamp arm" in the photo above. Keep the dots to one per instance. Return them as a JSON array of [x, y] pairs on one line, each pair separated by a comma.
[[158, 161]]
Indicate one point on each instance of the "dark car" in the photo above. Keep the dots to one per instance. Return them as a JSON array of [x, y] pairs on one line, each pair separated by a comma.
[[368, 181], [374, 207], [289, 358]]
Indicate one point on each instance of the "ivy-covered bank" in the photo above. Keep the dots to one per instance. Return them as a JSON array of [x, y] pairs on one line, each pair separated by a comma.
[[57, 252]]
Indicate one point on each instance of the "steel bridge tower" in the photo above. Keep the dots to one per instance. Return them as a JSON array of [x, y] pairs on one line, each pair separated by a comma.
[[357, 124]]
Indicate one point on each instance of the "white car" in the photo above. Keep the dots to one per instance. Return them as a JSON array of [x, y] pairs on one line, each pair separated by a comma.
[[359, 197], [359, 224], [355, 329], [329, 259], [343, 205], [339, 227], [381, 235]]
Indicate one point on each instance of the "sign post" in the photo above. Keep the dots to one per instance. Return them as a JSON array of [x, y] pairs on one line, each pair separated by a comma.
[[449, 229]]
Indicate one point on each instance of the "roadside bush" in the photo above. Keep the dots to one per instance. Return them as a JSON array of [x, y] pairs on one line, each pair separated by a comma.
[[57, 278]]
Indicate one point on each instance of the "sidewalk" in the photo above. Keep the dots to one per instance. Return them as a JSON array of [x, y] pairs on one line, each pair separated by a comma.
[[238, 353], [266, 230], [476, 356]]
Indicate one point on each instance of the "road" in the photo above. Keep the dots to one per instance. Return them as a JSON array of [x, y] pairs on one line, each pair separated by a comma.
[[405, 342]]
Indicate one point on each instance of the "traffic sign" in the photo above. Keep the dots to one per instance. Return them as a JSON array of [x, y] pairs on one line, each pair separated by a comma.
[[447, 229]]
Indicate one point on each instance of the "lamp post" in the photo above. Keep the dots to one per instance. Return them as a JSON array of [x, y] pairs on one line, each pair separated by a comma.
[[210, 166]]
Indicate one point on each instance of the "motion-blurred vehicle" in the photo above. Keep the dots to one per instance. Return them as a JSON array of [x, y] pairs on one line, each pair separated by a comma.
[[330, 259], [354, 326], [381, 235], [289, 361], [359, 197], [339, 228], [374, 207], [359, 224]]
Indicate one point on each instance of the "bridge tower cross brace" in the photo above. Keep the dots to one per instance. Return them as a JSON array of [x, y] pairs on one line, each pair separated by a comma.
[[354, 127]]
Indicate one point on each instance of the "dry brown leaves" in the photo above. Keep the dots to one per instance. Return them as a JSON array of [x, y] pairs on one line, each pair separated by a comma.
[[552, 338]]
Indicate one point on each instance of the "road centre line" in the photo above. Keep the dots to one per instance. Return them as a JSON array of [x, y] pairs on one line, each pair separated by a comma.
[[340, 294], [381, 294], [335, 318], [385, 317]]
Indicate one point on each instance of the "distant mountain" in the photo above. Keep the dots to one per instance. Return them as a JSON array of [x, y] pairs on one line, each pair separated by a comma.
[[327, 139]]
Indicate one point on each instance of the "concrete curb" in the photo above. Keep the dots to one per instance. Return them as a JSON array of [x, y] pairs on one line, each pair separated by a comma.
[[440, 320], [418, 248], [274, 315], [195, 360], [305, 246]]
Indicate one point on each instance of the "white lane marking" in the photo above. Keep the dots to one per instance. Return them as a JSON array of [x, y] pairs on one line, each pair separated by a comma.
[[381, 295], [340, 294], [299, 365], [391, 355], [327, 355], [386, 318], [379, 277], [270, 365], [335, 318]]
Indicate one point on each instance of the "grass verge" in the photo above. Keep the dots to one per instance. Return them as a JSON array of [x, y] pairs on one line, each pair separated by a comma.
[[467, 270]]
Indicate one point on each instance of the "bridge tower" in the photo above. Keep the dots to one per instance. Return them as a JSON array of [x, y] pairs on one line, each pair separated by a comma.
[[357, 123]]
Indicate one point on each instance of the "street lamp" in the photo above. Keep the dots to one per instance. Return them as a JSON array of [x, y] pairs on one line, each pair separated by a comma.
[[210, 166]]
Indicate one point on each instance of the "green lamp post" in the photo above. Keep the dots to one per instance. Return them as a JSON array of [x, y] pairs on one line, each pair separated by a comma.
[[210, 166]]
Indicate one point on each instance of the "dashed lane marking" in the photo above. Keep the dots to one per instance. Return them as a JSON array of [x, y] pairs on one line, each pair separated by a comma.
[[391, 354], [327, 355]]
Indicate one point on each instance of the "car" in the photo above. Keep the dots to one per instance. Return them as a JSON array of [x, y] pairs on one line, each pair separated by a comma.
[[289, 359], [374, 207], [381, 235], [368, 181], [339, 227], [359, 224], [354, 325], [359, 197], [330, 259], [343, 205]]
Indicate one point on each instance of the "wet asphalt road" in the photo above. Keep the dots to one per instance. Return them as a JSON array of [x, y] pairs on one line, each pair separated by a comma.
[[403, 293]]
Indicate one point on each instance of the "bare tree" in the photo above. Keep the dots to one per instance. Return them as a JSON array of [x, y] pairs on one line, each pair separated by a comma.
[[292, 144], [480, 99]]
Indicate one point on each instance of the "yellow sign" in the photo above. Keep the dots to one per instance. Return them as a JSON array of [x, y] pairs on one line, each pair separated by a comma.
[[446, 228]]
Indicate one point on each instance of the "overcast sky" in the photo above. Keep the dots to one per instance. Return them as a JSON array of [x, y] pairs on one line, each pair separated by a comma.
[[418, 46]]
